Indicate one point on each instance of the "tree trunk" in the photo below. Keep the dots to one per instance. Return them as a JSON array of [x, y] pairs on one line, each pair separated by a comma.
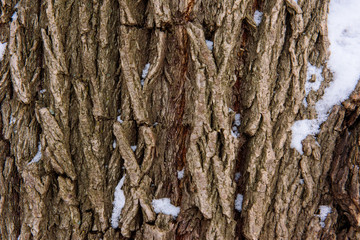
[[79, 114]]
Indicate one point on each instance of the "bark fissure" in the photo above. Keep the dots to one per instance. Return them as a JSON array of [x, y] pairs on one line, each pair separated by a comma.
[[179, 98]]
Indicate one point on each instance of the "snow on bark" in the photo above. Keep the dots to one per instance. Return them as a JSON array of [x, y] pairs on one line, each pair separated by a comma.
[[37, 157], [257, 17], [238, 202], [164, 206], [209, 44], [324, 211], [180, 174], [188, 87], [2, 50], [119, 203], [344, 36]]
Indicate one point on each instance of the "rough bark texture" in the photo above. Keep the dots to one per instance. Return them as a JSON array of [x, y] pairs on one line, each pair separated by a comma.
[[89, 56]]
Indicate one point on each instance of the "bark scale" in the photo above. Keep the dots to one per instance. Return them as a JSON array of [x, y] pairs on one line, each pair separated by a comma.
[[73, 68]]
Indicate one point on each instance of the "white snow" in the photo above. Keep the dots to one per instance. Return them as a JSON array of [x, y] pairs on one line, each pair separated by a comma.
[[237, 176], [257, 17], [237, 120], [344, 35], [14, 16], [114, 144], [301, 181], [209, 44], [234, 132], [133, 147], [119, 203], [37, 157], [42, 91], [2, 50], [145, 70], [12, 119], [119, 119], [316, 72], [305, 102], [180, 174], [344, 62], [238, 202], [164, 206], [300, 130], [313, 70], [324, 211], [144, 73]]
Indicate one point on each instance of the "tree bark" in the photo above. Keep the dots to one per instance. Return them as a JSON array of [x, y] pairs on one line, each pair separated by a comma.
[[72, 88]]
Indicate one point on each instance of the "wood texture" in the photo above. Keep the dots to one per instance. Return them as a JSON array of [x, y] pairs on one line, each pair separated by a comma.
[[73, 68]]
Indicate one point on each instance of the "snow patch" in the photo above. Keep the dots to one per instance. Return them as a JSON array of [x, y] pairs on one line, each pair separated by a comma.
[[133, 147], [209, 44], [37, 157], [119, 119], [180, 174], [12, 119], [237, 176], [313, 71], [119, 203], [164, 206], [42, 91], [234, 132], [144, 73], [2, 50], [304, 102], [114, 144], [14, 16], [324, 211], [237, 120], [344, 61], [238, 202], [301, 181], [300, 130], [257, 17]]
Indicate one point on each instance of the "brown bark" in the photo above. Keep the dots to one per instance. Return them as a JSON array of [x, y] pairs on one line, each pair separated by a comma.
[[88, 56]]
